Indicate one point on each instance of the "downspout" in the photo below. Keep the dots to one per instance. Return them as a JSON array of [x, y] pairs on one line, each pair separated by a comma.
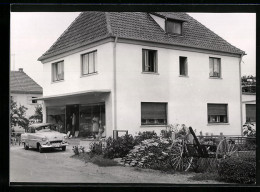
[[115, 91], [240, 89]]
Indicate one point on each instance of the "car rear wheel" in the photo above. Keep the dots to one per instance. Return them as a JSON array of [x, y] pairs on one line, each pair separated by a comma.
[[26, 147], [63, 148]]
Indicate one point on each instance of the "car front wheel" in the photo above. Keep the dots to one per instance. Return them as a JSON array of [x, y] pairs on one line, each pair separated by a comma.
[[63, 148], [40, 148], [26, 147]]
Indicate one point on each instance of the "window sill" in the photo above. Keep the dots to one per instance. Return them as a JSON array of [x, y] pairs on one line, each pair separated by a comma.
[[210, 124], [57, 81], [143, 126], [151, 73], [184, 76], [90, 74], [215, 77]]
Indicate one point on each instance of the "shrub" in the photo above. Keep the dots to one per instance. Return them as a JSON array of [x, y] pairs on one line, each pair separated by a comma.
[[103, 162], [96, 148], [143, 136], [238, 170], [118, 147]]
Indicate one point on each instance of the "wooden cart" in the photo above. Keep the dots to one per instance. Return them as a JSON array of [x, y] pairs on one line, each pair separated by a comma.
[[187, 155]]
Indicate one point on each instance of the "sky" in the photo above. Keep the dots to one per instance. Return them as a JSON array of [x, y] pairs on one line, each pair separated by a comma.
[[33, 33]]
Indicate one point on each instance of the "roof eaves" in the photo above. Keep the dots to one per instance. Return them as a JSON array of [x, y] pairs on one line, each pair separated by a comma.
[[182, 45], [61, 35], [72, 48]]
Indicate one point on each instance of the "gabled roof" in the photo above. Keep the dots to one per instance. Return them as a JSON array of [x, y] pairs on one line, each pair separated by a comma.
[[20, 82], [89, 27]]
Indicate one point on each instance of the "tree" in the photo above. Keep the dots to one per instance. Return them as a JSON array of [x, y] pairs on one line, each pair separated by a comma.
[[18, 115], [248, 84], [37, 117]]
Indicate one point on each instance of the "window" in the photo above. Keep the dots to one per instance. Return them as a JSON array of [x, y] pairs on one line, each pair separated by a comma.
[[149, 60], [214, 67], [183, 66], [89, 61], [250, 113], [217, 113], [153, 113], [58, 71], [174, 27], [30, 101]]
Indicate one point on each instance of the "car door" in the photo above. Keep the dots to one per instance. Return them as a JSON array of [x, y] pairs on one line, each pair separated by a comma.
[[33, 138]]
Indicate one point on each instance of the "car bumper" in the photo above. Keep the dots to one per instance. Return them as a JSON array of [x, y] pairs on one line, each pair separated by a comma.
[[54, 145]]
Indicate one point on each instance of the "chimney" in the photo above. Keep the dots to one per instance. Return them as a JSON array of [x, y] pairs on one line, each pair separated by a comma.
[[20, 69]]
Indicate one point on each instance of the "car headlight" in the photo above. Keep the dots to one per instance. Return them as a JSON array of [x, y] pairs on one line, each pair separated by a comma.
[[44, 139]]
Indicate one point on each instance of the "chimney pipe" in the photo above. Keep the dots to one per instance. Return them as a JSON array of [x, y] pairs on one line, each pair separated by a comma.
[[20, 69]]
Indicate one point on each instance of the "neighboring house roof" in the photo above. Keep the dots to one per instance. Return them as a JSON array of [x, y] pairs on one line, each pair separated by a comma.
[[20, 82], [89, 27]]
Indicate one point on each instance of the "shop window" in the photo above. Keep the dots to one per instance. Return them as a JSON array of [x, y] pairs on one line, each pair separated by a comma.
[[56, 115], [217, 113], [153, 113]]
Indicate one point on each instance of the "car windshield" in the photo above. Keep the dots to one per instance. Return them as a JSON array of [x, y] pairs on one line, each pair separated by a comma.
[[46, 128]]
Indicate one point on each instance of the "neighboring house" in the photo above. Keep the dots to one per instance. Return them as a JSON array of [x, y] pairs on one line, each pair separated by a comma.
[[249, 104], [140, 71], [23, 89]]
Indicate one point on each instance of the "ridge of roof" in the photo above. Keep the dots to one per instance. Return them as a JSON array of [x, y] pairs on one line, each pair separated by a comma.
[[93, 26], [20, 82]]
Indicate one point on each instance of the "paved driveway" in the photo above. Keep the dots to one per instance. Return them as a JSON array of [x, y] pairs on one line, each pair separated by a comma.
[[58, 166]]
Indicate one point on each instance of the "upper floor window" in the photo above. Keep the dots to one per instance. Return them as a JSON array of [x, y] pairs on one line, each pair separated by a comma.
[[89, 63], [217, 113], [214, 67], [58, 71], [174, 27], [153, 113], [149, 60], [183, 66]]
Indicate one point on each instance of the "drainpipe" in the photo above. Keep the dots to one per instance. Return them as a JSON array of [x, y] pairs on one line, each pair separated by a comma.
[[240, 89], [115, 91]]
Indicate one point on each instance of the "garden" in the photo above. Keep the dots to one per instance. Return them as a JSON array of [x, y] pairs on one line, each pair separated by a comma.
[[178, 150]]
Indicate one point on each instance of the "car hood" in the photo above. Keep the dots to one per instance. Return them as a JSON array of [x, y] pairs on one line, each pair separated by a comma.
[[52, 135]]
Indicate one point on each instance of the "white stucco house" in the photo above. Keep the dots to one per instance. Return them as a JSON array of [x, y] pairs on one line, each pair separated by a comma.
[[141, 71], [23, 89], [249, 106]]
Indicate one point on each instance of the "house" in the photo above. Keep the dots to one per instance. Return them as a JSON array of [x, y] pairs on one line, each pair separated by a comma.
[[23, 89], [140, 71], [249, 104]]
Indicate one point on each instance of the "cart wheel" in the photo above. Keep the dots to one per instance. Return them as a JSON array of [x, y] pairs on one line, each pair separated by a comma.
[[180, 161], [226, 149]]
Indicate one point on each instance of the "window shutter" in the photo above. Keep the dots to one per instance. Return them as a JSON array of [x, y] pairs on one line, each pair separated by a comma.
[[153, 110], [217, 109], [250, 112]]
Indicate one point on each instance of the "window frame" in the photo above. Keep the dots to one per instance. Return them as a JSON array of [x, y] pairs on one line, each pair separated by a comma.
[[220, 72], [155, 67], [185, 66], [173, 21], [155, 120], [216, 123], [94, 65], [52, 69]]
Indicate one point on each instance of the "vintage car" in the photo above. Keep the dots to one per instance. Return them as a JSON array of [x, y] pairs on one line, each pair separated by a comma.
[[43, 136]]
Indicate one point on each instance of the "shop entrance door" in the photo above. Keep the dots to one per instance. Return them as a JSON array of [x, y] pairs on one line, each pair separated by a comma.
[[72, 118]]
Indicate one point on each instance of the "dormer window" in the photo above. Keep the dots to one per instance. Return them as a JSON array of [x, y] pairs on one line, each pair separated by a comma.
[[173, 27]]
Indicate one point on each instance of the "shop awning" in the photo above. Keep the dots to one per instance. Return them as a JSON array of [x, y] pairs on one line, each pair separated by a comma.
[[73, 94]]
